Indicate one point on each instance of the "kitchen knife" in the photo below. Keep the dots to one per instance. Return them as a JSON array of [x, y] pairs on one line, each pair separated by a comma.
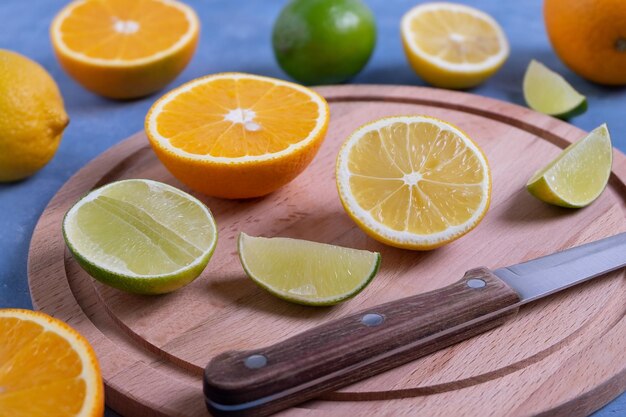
[[263, 381]]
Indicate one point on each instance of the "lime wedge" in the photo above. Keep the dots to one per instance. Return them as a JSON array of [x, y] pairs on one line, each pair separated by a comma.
[[547, 92], [140, 236], [578, 175], [306, 272]]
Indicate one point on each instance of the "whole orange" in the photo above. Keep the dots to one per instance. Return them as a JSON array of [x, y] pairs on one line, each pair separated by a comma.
[[590, 37]]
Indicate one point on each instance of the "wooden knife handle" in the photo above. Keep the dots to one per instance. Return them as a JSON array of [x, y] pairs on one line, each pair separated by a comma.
[[263, 381]]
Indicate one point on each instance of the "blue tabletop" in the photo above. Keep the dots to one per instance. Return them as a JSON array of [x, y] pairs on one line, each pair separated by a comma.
[[235, 36]]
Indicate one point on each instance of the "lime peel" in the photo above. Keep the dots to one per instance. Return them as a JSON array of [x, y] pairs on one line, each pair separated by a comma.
[[307, 272], [141, 236], [548, 92], [578, 175]]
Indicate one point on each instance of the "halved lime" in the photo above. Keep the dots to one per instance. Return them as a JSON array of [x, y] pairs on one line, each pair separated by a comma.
[[307, 272], [578, 175], [141, 236], [547, 92]]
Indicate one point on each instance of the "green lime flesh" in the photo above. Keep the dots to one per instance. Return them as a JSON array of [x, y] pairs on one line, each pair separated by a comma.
[[140, 236], [547, 92], [324, 41], [307, 272], [578, 175]]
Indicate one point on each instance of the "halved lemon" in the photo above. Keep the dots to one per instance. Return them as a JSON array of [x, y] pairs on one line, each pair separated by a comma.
[[124, 49], [413, 182], [237, 135], [452, 45], [547, 92], [579, 174], [46, 368], [141, 236], [307, 272]]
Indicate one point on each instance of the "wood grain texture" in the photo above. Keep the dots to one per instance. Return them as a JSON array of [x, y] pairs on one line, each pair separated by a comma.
[[346, 350], [153, 349]]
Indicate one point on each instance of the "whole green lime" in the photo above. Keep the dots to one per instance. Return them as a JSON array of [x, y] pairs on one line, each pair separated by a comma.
[[324, 41]]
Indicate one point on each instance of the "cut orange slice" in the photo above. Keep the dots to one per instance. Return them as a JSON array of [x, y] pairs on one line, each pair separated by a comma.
[[123, 49], [46, 368], [237, 135], [414, 182]]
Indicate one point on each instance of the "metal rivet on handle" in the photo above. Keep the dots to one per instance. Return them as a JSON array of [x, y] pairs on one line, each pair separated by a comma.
[[372, 319], [476, 283], [255, 361]]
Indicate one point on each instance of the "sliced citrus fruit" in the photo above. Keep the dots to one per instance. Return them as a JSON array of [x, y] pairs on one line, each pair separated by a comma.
[[414, 182], [547, 92], [452, 45], [46, 368], [122, 49], [141, 236], [578, 175], [237, 135], [307, 272]]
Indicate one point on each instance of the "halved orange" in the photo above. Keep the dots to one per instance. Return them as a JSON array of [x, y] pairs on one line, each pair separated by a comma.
[[122, 49], [46, 368], [236, 135]]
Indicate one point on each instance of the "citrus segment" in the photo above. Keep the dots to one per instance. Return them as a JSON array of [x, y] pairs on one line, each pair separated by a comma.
[[579, 174], [85, 32], [46, 367], [237, 135], [547, 92], [141, 236], [237, 125], [307, 272], [123, 50], [452, 45], [414, 182]]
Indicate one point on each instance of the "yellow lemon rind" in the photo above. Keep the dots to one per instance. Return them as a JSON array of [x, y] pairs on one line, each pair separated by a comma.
[[407, 240], [442, 73]]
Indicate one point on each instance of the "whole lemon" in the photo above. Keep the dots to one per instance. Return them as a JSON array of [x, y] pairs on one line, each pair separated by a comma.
[[32, 116], [324, 41]]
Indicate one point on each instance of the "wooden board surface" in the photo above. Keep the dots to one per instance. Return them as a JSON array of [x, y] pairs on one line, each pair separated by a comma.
[[561, 356]]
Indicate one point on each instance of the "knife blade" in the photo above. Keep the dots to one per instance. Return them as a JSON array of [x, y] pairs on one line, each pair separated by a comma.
[[263, 381], [552, 273]]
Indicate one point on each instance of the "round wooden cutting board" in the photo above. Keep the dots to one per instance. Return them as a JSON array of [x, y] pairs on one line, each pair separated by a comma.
[[565, 355]]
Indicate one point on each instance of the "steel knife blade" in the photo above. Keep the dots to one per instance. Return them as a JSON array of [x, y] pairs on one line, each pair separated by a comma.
[[552, 273], [263, 381]]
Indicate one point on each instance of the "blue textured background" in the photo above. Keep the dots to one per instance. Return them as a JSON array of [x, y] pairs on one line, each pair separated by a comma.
[[236, 37]]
